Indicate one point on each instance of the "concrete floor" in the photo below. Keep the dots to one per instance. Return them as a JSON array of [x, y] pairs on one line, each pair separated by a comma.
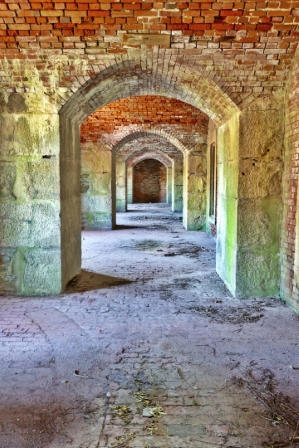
[[148, 324]]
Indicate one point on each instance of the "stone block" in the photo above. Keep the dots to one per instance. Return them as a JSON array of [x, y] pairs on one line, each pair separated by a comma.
[[45, 225], [97, 203], [97, 221], [260, 178], [257, 273], [7, 277], [259, 223], [41, 178], [30, 225], [42, 272], [29, 134], [16, 103], [261, 134], [7, 181]]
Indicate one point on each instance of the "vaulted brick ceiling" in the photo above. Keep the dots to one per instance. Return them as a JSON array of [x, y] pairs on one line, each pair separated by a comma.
[[112, 123], [245, 48]]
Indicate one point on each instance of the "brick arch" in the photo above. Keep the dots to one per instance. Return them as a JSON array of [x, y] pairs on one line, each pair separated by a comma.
[[125, 79], [160, 133], [143, 155], [134, 77]]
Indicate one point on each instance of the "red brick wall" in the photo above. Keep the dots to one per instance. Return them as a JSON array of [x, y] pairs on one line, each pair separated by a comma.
[[149, 181], [290, 291], [61, 25]]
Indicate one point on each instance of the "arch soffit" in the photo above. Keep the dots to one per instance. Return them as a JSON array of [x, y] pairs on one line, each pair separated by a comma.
[[162, 135], [144, 155], [129, 78]]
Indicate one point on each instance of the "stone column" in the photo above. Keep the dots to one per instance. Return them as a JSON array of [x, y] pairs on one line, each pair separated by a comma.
[[249, 200], [195, 174], [227, 201], [260, 199], [96, 187], [177, 185], [121, 184], [169, 186], [30, 252], [129, 184]]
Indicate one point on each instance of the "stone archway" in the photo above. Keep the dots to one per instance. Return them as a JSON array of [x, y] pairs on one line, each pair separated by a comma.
[[102, 89]]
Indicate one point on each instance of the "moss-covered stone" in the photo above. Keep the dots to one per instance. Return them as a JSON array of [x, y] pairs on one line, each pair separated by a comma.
[[16, 103], [258, 273], [29, 134], [97, 221]]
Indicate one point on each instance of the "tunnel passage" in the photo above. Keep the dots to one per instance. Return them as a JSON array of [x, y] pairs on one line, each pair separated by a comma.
[[149, 181]]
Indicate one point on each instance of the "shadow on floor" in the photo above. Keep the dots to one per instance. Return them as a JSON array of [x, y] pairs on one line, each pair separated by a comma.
[[90, 281], [125, 227]]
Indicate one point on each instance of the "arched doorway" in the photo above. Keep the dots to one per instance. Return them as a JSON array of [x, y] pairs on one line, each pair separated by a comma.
[[149, 181], [106, 87]]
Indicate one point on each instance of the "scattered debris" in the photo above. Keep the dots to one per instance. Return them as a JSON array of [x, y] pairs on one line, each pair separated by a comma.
[[277, 404], [123, 412], [147, 412], [122, 441], [232, 315], [151, 428]]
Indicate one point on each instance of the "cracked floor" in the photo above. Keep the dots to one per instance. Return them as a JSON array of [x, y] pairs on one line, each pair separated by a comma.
[[148, 324]]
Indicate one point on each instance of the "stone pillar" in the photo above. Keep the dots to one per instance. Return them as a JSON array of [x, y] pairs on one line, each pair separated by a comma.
[[129, 184], [177, 185], [96, 187], [169, 186], [121, 184], [30, 253], [260, 199], [249, 200], [227, 201], [195, 173]]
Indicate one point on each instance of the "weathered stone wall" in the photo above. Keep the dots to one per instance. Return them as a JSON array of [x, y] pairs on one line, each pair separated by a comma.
[[290, 230], [149, 181], [96, 187], [30, 257]]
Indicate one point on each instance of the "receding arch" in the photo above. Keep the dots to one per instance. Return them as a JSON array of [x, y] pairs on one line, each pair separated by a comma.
[[159, 133], [127, 78], [139, 146], [142, 155]]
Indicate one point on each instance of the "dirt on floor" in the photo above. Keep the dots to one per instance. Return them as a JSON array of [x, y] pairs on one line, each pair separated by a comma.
[[147, 348]]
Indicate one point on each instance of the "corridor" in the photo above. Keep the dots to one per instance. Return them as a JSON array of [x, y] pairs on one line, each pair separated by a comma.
[[147, 348]]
